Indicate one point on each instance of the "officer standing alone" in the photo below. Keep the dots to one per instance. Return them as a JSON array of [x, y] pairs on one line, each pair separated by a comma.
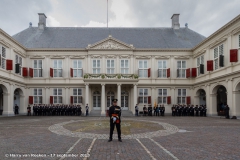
[[115, 119]]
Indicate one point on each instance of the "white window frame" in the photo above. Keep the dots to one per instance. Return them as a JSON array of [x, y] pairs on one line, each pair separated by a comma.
[[182, 70], [111, 68], [57, 98], [200, 60], [38, 69], [144, 97], [96, 69], [3, 58], [217, 51], [58, 68], [181, 98], [162, 70], [162, 96], [144, 69], [18, 60], [77, 95], [124, 68], [77, 70], [37, 98]]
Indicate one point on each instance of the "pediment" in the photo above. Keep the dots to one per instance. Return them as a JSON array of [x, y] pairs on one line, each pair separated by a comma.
[[110, 43]]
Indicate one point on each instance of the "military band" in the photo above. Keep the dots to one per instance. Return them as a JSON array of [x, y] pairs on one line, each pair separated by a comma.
[[189, 110], [56, 110]]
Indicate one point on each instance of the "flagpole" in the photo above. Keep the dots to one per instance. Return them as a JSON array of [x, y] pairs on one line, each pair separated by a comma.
[[107, 13]]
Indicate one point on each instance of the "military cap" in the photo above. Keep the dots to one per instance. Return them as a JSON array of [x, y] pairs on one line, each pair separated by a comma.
[[114, 100]]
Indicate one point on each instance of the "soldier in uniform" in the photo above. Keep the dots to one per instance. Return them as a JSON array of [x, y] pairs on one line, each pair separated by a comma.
[[34, 110], [115, 119], [29, 110], [145, 110], [157, 111], [204, 111], [16, 109], [201, 110], [197, 110], [173, 110]]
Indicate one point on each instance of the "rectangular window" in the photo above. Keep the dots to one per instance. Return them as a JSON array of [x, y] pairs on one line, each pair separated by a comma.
[[77, 68], [37, 94], [57, 68], [77, 95], [217, 52], [124, 66], [3, 58], [162, 96], [200, 60], [37, 68], [181, 65], [18, 60], [143, 96], [162, 69], [142, 68], [57, 95], [110, 66], [96, 66], [181, 96]]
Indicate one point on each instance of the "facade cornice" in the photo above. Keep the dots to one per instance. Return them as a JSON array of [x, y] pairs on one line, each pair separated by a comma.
[[162, 50]]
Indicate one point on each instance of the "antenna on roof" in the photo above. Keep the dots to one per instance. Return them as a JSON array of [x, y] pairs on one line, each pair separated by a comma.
[[107, 13]]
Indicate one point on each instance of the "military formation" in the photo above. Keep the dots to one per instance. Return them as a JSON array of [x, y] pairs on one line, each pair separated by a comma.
[[189, 110], [56, 110]]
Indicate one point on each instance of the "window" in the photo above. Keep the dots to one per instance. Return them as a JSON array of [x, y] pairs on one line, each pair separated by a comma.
[[96, 67], [3, 58], [143, 95], [217, 52], [142, 68], [110, 66], [181, 65], [162, 96], [96, 100], [162, 69], [77, 68], [200, 60], [57, 68], [181, 96], [57, 95], [37, 94], [18, 60], [77, 95], [110, 97], [124, 99], [37, 68], [124, 66]]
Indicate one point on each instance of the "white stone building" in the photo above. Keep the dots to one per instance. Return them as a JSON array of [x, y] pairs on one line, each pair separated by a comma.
[[136, 65]]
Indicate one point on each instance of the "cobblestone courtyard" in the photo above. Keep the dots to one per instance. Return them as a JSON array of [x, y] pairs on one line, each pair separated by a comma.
[[146, 138]]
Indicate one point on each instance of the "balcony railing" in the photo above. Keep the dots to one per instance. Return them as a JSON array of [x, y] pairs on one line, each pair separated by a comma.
[[110, 76]]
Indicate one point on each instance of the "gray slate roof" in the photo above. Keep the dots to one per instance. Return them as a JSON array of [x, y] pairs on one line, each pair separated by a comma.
[[78, 37]]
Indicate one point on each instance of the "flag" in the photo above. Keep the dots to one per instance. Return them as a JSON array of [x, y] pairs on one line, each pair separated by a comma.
[[155, 103]]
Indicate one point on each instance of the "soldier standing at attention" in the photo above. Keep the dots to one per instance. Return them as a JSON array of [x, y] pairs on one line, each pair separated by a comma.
[[29, 110], [87, 110], [115, 119], [16, 109]]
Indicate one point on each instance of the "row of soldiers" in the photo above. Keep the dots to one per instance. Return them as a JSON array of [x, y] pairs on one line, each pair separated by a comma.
[[56, 110], [190, 110], [156, 110]]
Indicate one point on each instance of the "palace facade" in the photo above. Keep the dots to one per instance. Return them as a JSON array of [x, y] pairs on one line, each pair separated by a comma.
[[75, 65]]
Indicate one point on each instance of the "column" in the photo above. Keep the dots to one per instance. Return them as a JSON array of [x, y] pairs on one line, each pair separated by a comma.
[[208, 97], [66, 96], [103, 112], [236, 102], [173, 100], [232, 111], [134, 97], [153, 97], [46, 96], [119, 94], [86, 93]]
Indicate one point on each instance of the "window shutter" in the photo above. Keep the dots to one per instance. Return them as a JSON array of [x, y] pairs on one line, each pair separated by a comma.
[[194, 72], [30, 72], [149, 100], [169, 100], [25, 71], [51, 72], [188, 100], [201, 69], [221, 60], [149, 72], [168, 72], [30, 100], [71, 72], [9, 64], [17, 68], [210, 65], [188, 72], [71, 99], [234, 55], [51, 99]]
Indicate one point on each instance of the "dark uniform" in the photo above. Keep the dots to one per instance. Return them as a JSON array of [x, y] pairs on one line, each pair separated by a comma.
[[16, 109], [115, 119], [227, 112], [173, 110], [29, 110]]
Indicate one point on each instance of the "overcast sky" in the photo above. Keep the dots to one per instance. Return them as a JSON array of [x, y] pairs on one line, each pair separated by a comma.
[[202, 16]]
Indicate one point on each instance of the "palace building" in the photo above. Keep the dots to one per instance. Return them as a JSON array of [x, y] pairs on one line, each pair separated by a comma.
[[77, 65]]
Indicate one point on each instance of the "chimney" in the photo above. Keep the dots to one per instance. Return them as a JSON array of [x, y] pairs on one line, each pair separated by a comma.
[[175, 21], [42, 21]]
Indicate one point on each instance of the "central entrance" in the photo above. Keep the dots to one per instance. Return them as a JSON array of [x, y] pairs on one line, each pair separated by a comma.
[[110, 97], [96, 100], [124, 100]]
